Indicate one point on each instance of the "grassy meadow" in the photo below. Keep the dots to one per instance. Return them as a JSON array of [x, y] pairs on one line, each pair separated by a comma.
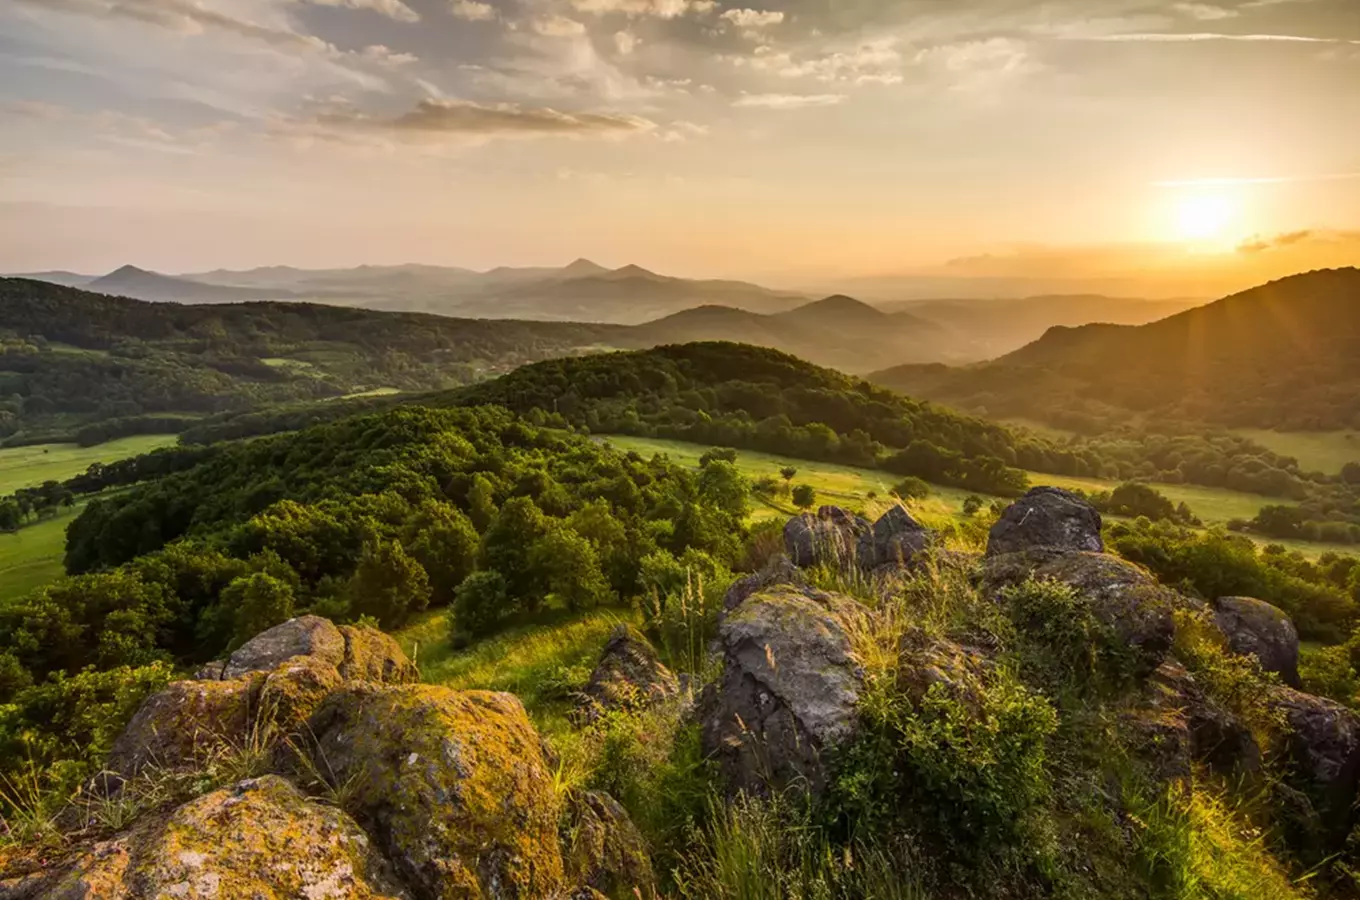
[[22, 467], [32, 556], [850, 486], [1316, 451]]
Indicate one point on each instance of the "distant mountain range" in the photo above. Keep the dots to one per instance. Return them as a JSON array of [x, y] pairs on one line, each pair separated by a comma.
[[1284, 355]]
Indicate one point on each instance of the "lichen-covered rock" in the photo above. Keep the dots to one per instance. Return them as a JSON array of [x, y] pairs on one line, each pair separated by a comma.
[[453, 784], [186, 720], [1121, 595], [262, 840], [896, 539], [1323, 749], [830, 537], [1217, 737], [778, 571], [96, 874], [372, 655], [604, 850], [1047, 517], [787, 693], [1255, 628], [629, 674], [292, 692], [303, 636]]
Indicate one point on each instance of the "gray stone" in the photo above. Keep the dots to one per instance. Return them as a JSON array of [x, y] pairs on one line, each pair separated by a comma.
[[1323, 749], [1255, 628], [895, 540], [778, 571], [303, 636], [1047, 517], [829, 537], [1217, 738], [629, 675]]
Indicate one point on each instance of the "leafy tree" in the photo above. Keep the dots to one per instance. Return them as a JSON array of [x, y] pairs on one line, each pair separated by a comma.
[[480, 604], [481, 501], [725, 454], [1350, 473], [11, 515], [911, 488], [972, 504], [804, 496], [788, 473], [569, 567], [441, 538], [507, 544], [1135, 499], [722, 486], [259, 601], [387, 585]]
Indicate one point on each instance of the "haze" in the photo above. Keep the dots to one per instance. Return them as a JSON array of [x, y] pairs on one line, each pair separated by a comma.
[[1137, 147]]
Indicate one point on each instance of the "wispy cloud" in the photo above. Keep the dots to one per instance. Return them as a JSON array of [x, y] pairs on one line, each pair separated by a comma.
[[473, 11], [788, 101], [1191, 37], [461, 117], [753, 18], [1205, 12]]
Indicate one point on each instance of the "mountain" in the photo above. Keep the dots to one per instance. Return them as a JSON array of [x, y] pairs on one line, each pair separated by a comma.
[[1285, 355], [65, 279], [130, 281]]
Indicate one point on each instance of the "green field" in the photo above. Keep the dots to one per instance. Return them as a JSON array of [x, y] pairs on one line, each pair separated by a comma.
[[1316, 451], [22, 467], [850, 486], [31, 557]]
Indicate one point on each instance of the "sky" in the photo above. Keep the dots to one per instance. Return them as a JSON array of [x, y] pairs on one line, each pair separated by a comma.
[[1174, 147]]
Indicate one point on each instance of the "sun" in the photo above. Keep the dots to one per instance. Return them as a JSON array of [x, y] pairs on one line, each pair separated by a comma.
[[1204, 216]]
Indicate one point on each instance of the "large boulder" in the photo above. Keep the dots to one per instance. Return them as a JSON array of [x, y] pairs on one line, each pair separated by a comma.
[[1048, 518], [186, 721], [1129, 601], [303, 636], [604, 850], [896, 539], [779, 570], [372, 655], [1255, 628], [787, 693], [829, 537], [260, 839], [629, 674], [1322, 745], [454, 785], [1216, 737]]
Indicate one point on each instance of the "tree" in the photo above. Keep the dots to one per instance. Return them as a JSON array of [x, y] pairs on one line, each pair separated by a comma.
[[911, 488], [804, 496], [788, 473], [481, 501], [11, 515], [725, 454], [971, 505], [441, 538], [722, 486], [259, 602], [388, 585], [570, 569], [480, 604], [1350, 473], [507, 544]]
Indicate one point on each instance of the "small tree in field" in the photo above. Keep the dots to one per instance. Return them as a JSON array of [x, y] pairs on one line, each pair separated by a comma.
[[804, 496], [788, 473], [972, 504]]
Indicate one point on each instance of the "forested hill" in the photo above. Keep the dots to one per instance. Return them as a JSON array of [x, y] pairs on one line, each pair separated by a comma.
[[70, 357], [1284, 355]]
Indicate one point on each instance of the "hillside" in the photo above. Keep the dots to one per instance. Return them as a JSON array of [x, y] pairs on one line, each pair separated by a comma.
[[130, 281], [1285, 355]]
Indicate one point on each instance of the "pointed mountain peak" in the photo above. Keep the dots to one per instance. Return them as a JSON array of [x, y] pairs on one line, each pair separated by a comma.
[[584, 266], [840, 304], [128, 271], [633, 271]]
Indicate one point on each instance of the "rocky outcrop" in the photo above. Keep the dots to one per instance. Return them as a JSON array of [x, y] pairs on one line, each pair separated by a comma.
[[371, 655], [604, 851], [629, 675], [1255, 628], [1135, 607], [1322, 746], [453, 783], [830, 537], [185, 722], [778, 571], [1047, 518], [303, 636], [896, 540], [787, 692], [1215, 736]]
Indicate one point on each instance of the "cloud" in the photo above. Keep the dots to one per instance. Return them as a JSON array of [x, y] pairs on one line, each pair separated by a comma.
[[473, 11], [384, 56], [558, 26], [1308, 236], [393, 9], [788, 101], [661, 9], [980, 65], [875, 62], [431, 117], [753, 18], [1194, 37], [1205, 12], [625, 42]]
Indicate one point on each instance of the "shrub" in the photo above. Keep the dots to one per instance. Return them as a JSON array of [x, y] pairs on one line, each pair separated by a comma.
[[481, 603], [911, 488], [260, 601], [804, 496], [387, 585]]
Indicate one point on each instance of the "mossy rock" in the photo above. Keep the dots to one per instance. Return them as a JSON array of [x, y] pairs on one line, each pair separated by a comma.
[[303, 636], [371, 655], [604, 850], [186, 721], [629, 674], [453, 783]]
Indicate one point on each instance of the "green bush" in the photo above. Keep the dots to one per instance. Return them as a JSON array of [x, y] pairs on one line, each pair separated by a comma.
[[911, 488], [480, 605]]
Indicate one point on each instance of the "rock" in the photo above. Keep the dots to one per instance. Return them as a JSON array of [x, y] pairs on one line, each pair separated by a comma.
[[98, 873], [291, 693], [1217, 738], [894, 540], [604, 850], [1323, 749], [787, 692], [303, 636], [211, 671], [926, 661], [1161, 739], [831, 537], [778, 571], [1255, 628], [1047, 517], [184, 722], [454, 784], [371, 655], [629, 674], [1122, 596]]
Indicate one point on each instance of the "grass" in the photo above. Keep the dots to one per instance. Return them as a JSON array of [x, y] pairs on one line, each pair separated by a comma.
[[850, 486], [22, 467], [1316, 451], [32, 556]]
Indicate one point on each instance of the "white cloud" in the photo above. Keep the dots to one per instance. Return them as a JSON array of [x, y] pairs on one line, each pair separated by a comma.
[[1195, 37], [454, 117], [1205, 12], [393, 9], [661, 9], [875, 62], [753, 18], [382, 55], [625, 42], [558, 26], [788, 101], [473, 11]]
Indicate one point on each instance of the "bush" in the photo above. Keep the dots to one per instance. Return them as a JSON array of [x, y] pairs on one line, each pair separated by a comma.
[[804, 496], [911, 488], [480, 605], [260, 602], [387, 585]]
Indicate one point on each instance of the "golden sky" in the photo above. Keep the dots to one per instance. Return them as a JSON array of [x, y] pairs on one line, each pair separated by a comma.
[[1152, 147]]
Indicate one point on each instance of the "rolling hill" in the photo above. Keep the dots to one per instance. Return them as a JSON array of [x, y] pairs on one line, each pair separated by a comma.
[[1284, 355], [130, 281]]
